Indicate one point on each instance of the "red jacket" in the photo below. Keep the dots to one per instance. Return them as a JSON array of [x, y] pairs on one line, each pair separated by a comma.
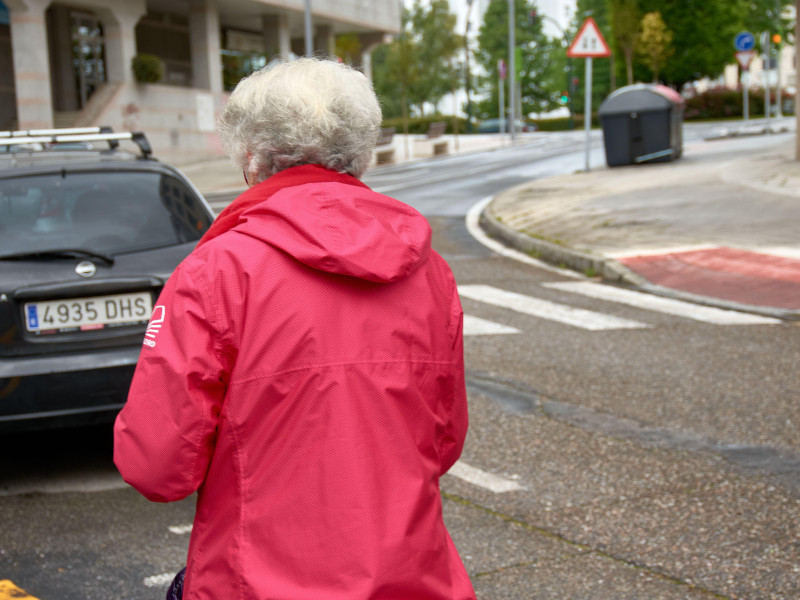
[[303, 370]]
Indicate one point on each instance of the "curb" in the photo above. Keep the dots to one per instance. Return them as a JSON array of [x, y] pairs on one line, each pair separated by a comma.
[[609, 269], [747, 133]]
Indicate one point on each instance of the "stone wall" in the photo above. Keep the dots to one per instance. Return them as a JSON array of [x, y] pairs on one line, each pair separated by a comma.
[[178, 121]]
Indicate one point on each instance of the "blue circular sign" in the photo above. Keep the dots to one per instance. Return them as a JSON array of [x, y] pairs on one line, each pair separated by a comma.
[[744, 41]]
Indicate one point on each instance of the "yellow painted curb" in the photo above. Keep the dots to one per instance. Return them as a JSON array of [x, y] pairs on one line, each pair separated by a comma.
[[9, 591]]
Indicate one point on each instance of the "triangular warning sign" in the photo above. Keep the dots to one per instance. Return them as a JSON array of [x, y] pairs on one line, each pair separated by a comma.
[[589, 43], [745, 57]]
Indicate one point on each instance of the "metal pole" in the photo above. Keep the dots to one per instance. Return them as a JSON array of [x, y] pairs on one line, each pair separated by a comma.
[[466, 64], [765, 48], [512, 70], [501, 94], [309, 33], [778, 61], [745, 93], [587, 112], [778, 95]]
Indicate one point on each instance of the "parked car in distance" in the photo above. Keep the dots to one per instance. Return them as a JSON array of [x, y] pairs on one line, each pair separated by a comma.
[[493, 126], [88, 237]]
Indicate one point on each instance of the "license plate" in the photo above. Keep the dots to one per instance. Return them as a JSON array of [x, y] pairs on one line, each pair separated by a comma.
[[88, 313]]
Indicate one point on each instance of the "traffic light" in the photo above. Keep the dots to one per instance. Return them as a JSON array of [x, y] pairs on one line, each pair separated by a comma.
[[776, 39], [564, 99]]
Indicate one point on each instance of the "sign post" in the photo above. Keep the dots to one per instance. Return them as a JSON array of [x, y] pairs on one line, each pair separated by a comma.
[[501, 88], [744, 43], [588, 44], [765, 50], [744, 59], [512, 66]]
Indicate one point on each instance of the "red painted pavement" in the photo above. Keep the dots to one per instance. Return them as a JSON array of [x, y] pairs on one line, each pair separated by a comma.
[[725, 273]]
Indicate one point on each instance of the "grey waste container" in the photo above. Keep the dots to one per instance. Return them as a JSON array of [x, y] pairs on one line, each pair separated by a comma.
[[642, 123]]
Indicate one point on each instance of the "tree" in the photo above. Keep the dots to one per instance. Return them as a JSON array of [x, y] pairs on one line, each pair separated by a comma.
[[703, 35], [417, 67], [388, 86], [394, 72], [625, 27], [540, 78], [348, 48], [767, 15], [655, 43], [436, 44]]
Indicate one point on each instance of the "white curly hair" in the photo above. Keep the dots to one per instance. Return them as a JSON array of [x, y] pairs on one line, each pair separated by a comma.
[[307, 111]]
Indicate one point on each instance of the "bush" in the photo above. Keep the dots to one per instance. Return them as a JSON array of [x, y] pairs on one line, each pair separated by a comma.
[[725, 103], [560, 124], [147, 68], [421, 124]]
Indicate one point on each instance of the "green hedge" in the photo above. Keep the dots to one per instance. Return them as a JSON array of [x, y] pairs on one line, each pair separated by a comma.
[[724, 103], [563, 123], [421, 124]]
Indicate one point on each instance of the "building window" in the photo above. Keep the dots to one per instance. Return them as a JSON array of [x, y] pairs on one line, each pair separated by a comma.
[[166, 35], [242, 53]]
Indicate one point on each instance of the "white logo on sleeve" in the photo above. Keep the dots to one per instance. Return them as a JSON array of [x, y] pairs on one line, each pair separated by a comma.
[[154, 326]]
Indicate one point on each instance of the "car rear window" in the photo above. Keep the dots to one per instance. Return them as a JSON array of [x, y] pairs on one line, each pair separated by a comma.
[[110, 212]]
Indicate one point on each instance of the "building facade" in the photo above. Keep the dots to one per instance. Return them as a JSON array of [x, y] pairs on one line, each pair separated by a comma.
[[68, 63]]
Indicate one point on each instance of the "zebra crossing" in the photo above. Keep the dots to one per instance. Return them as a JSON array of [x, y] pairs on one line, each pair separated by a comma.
[[593, 320]]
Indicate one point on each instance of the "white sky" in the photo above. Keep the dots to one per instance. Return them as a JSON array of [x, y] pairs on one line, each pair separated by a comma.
[[560, 10]]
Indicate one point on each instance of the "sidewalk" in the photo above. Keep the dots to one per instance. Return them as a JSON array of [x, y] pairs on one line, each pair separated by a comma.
[[711, 227]]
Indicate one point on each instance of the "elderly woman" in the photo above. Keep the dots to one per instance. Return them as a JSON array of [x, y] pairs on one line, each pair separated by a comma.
[[304, 367]]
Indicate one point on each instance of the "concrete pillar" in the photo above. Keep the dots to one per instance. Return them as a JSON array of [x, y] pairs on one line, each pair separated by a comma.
[[324, 41], [119, 36], [31, 63], [277, 39], [62, 71], [204, 36]]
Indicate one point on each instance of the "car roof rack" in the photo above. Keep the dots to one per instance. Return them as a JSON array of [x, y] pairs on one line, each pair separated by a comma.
[[63, 131], [78, 134]]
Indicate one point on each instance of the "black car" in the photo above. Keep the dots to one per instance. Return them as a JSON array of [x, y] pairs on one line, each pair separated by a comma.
[[88, 237]]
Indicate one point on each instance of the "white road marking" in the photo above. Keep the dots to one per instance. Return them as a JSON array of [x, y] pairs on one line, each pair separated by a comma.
[[633, 252], [483, 479], [473, 218], [706, 314], [779, 251], [162, 580], [181, 529], [544, 309], [478, 326]]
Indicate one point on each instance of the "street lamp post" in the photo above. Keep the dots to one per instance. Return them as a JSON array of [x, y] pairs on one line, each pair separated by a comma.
[[512, 71], [309, 34], [468, 81]]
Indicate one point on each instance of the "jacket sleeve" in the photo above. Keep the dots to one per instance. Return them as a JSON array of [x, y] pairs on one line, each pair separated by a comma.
[[456, 429], [164, 436]]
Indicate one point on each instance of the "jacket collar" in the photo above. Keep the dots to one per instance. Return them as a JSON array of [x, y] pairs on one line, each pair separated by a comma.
[[294, 176]]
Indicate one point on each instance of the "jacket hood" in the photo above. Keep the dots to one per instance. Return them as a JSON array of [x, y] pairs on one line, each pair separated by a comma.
[[343, 229]]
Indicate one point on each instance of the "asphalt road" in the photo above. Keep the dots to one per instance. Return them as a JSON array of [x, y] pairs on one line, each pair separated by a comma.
[[620, 452]]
